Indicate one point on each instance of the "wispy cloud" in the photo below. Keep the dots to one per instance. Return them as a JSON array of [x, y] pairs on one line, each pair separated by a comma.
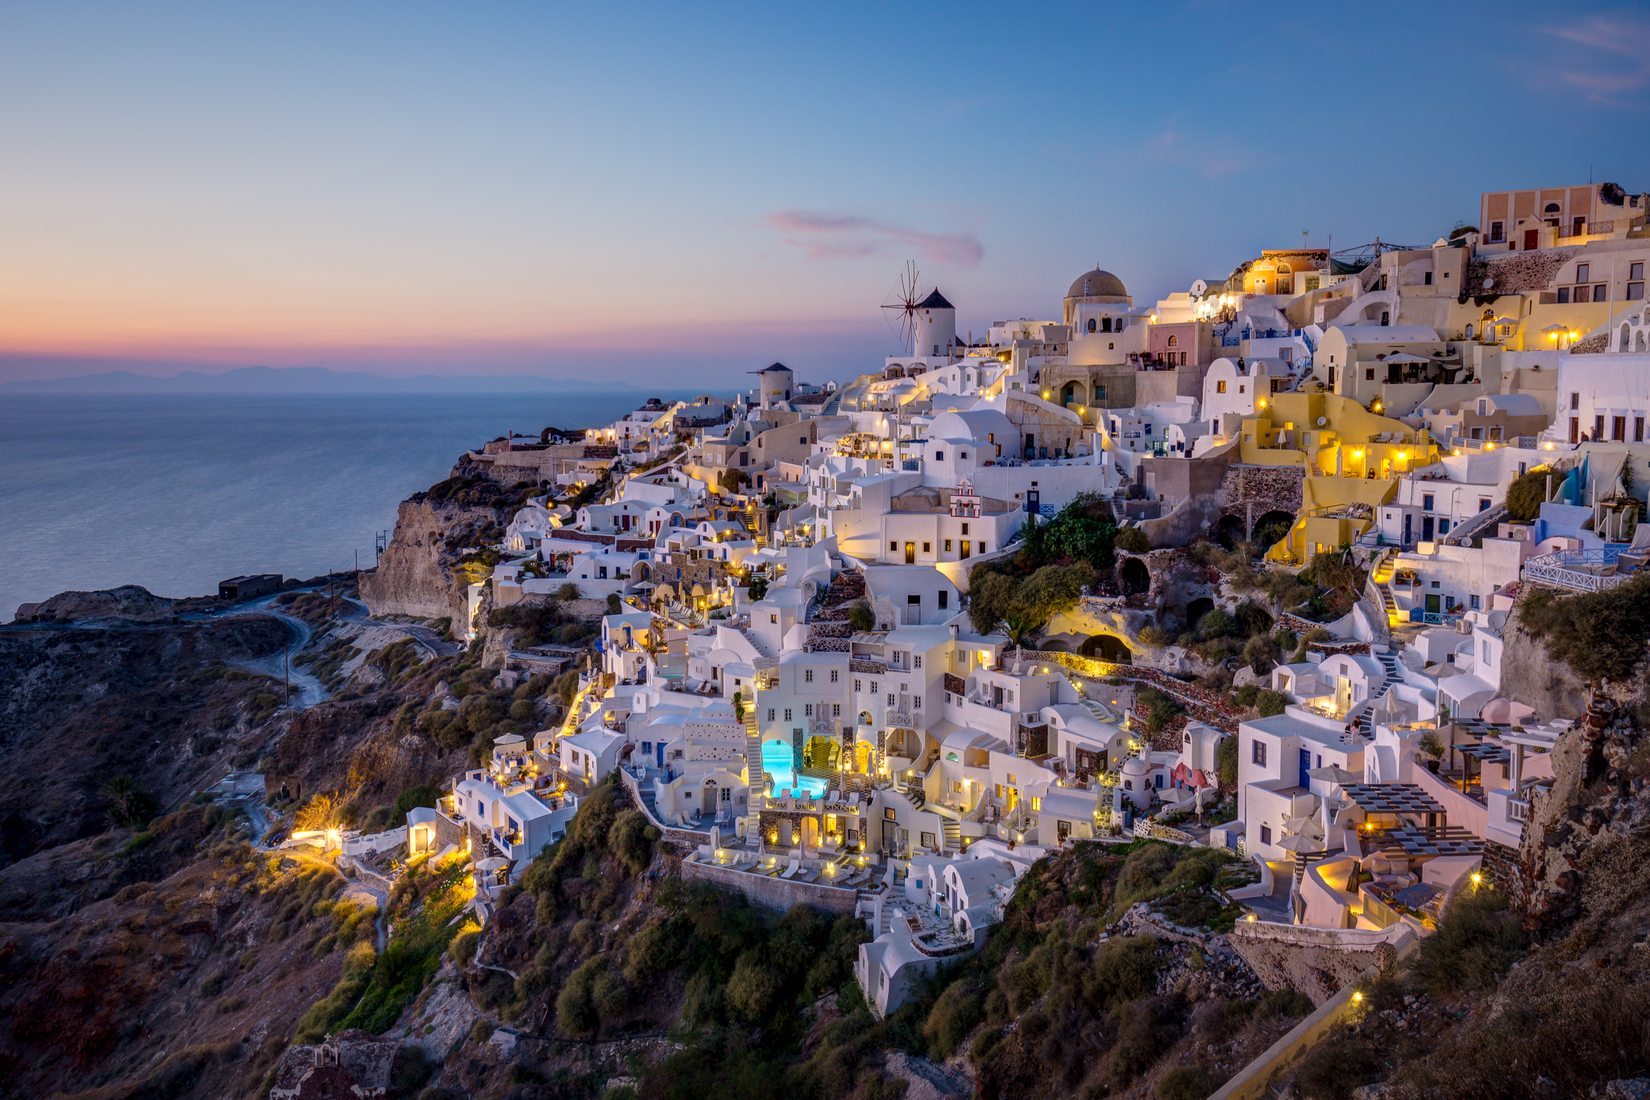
[[833, 236], [1611, 61], [1209, 158]]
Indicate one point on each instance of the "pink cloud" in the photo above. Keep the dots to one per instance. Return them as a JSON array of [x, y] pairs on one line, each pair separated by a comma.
[[833, 236], [1612, 60]]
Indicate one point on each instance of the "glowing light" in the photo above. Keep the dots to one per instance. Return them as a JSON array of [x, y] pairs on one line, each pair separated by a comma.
[[1261, 404], [1251, 917], [1477, 878], [1357, 997]]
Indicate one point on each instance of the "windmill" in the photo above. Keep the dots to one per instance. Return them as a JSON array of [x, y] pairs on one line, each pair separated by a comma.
[[902, 311]]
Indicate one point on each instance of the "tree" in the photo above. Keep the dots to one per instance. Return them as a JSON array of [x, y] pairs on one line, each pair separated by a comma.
[[1527, 493], [1226, 759], [1021, 608], [319, 814], [861, 617], [130, 806]]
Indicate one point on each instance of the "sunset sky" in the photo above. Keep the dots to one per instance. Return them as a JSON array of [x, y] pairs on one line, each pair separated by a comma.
[[556, 189]]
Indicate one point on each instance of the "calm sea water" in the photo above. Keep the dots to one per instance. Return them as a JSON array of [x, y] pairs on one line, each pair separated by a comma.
[[176, 493]]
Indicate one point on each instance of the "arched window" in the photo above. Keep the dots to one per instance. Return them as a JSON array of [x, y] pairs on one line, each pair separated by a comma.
[[1469, 330], [1174, 341], [1092, 325], [1550, 208], [1625, 331], [1638, 342]]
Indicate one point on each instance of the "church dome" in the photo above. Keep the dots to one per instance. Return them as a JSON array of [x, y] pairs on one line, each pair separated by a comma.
[[1097, 284]]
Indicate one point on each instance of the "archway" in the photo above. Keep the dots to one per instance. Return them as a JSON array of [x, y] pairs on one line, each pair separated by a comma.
[[1135, 578], [1271, 528], [862, 757], [1108, 647], [1071, 393], [1229, 531], [821, 752], [1196, 609]]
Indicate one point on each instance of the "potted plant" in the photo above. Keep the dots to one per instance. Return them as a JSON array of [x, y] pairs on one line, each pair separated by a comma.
[[1430, 747]]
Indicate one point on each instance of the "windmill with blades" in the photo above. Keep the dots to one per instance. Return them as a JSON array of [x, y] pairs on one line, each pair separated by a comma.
[[926, 324]]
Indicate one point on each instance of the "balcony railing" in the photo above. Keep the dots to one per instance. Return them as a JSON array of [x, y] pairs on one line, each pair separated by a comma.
[[1577, 570]]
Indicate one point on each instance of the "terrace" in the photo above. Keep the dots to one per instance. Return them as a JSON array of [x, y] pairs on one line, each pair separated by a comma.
[[1586, 570]]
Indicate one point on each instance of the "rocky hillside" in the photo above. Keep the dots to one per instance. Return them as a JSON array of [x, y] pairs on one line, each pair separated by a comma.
[[100, 724], [606, 974]]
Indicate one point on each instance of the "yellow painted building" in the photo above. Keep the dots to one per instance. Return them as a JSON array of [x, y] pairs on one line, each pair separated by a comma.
[[1352, 459]]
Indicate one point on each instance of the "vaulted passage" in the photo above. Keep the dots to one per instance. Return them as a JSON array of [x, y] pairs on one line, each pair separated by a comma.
[[1108, 647], [1271, 528], [1135, 578]]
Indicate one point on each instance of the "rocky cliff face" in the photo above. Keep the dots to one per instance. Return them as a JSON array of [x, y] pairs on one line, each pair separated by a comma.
[[412, 577], [1530, 675]]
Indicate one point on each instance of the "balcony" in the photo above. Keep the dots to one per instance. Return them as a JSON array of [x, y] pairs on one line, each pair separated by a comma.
[[1580, 570]]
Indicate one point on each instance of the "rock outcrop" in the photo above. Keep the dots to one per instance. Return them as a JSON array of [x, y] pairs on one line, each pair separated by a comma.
[[412, 577], [130, 602]]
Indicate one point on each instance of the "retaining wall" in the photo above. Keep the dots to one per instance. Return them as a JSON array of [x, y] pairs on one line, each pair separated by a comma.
[[775, 893]]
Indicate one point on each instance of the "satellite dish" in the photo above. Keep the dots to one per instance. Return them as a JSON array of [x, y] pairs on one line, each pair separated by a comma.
[[1489, 281], [1322, 421]]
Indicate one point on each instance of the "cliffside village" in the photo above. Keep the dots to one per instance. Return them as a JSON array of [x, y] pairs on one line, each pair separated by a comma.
[[792, 684]]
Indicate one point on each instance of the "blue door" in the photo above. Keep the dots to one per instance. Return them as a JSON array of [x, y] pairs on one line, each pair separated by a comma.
[[660, 749], [1306, 763]]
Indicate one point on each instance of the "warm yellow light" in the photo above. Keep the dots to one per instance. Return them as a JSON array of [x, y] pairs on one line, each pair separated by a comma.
[[1251, 917], [1357, 452], [1261, 404], [1456, 452], [1357, 996], [1477, 878], [1045, 395]]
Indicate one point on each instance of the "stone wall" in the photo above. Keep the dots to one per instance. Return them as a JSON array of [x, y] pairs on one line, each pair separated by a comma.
[[1317, 962], [1250, 492], [775, 893]]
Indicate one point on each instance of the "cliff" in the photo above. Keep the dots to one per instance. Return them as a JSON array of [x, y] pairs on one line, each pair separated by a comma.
[[412, 576], [421, 572]]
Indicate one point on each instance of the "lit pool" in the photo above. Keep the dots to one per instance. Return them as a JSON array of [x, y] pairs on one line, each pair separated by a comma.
[[778, 761]]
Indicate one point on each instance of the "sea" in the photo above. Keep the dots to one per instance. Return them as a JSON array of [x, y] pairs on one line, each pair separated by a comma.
[[176, 493]]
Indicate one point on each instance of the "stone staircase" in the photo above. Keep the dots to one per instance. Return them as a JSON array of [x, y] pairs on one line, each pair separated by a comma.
[[950, 836], [753, 759], [1393, 674]]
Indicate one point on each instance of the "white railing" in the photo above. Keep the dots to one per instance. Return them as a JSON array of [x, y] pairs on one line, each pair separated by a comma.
[[1577, 570]]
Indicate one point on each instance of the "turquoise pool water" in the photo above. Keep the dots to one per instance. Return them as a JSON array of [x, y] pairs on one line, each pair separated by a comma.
[[777, 761]]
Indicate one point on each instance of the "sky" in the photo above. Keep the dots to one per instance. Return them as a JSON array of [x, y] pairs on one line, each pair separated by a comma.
[[663, 190]]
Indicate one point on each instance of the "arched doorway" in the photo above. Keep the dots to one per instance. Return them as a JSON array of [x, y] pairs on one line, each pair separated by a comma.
[[863, 751], [1229, 532], [1072, 394], [1134, 577], [1196, 609], [1271, 528], [1108, 647], [821, 752]]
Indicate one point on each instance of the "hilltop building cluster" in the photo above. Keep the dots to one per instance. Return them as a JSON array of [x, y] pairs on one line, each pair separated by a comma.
[[791, 682]]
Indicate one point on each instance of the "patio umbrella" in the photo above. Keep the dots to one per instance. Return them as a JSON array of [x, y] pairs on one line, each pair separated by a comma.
[[492, 863], [1333, 773], [1406, 357]]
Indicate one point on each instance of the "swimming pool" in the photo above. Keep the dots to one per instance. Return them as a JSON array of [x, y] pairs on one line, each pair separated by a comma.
[[778, 761]]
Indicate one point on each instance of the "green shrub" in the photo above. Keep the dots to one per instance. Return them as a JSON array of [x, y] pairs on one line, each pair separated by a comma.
[[1186, 1083], [1477, 941], [1124, 968], [630, 840], [1333, 1069], [423, 794], [1134, 540], [1269, 702], [957, 1011]]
